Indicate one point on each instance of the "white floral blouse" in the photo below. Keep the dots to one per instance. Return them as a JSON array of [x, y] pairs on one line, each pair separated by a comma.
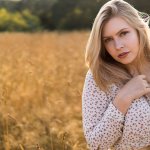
[[106, 127]]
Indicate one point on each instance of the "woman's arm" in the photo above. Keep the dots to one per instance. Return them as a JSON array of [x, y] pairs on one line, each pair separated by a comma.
[[102, 121]]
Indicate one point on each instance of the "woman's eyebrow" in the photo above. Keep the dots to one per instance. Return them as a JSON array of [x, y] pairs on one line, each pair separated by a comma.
[[116, 33]]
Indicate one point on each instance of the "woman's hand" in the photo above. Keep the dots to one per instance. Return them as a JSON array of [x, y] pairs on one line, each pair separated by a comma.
[[135, 88]]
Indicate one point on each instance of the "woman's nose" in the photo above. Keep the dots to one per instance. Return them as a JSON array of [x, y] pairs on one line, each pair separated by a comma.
[[118, 44]]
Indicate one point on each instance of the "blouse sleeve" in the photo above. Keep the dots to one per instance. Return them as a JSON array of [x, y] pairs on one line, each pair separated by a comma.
[[102, 121]]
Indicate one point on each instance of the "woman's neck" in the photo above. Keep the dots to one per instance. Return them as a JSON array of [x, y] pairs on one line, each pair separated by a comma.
[[133, 69]]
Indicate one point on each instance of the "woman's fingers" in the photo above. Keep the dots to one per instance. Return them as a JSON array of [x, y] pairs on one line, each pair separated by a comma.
[[148, 90], [143, 76]]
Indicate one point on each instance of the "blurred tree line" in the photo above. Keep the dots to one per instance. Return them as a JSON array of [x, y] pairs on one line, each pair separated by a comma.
[[33, 15]]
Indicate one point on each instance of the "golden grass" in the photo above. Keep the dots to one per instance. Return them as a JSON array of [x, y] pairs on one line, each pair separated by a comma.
[[41, 80]]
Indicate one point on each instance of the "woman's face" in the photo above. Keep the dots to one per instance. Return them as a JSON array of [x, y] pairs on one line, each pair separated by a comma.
[[119, 37]]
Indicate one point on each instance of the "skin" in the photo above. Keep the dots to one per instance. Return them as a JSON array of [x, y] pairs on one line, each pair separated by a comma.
[[118, 36]]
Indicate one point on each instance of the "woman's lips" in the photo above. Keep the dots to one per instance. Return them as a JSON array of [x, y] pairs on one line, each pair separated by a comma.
[[122, 55]]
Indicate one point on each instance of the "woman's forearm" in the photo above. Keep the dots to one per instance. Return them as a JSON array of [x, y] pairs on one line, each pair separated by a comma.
[[122, 104]]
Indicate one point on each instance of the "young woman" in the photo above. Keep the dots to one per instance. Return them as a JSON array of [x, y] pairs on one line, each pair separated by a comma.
[[116, 92]]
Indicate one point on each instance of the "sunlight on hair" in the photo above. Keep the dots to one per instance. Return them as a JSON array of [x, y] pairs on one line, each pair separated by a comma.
[[145, 17]]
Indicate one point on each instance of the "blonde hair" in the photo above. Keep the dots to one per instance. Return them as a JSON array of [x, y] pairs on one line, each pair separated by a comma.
[[104, 68]]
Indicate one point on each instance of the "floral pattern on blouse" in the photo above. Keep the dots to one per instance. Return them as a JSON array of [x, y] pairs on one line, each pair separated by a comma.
[[106, 127]]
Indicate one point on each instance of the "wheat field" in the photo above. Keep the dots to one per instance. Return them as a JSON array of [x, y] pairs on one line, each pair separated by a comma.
[[41, 81]]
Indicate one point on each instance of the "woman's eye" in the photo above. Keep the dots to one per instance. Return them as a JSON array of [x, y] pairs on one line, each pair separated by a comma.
[[124, 33], [107, 40]]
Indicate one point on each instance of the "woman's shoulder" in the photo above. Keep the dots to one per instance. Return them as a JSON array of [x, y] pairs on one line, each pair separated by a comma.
[[89, 80], [89, 74], [112, 88]]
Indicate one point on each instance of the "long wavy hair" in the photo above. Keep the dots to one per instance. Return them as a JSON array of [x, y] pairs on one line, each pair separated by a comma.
[[105, 69]]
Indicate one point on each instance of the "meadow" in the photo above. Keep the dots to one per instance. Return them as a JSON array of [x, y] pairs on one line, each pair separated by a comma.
[[41, 81]]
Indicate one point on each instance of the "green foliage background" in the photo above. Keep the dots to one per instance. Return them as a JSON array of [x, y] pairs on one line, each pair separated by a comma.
[[33, 15]]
